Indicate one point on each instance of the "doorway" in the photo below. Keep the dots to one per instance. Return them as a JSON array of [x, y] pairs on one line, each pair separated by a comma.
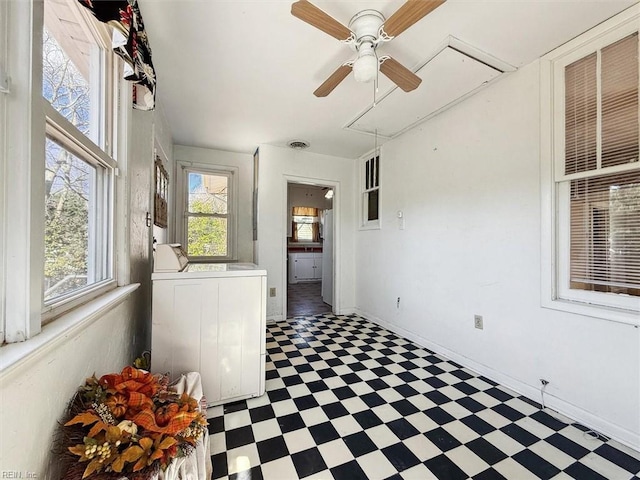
[[309, 246]]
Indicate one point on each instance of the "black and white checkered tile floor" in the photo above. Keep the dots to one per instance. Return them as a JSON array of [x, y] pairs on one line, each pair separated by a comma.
[[349, 400]]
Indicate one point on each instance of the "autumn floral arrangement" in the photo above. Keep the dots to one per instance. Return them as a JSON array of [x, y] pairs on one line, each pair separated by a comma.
[[130, 424]]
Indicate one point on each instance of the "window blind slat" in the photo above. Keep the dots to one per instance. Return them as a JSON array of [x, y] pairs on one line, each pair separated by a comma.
[[581, 115], [620, 127], [605, 232]]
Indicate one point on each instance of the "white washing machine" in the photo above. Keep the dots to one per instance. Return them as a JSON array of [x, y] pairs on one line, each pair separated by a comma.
[[210, 318]]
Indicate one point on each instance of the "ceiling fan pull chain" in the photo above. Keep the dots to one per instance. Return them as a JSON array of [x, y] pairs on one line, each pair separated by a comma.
[[374, 91], [375, 83]]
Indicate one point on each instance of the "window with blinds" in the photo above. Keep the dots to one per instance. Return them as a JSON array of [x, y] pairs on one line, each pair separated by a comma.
[[601, 170]]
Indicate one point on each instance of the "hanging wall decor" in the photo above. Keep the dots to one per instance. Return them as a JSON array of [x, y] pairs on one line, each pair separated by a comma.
[[161, 194]]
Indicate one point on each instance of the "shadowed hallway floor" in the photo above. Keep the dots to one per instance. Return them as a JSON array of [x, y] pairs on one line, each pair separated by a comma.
[[305, 298]]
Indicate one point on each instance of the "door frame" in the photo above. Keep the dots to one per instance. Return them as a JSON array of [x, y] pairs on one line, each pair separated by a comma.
[[317, 182]]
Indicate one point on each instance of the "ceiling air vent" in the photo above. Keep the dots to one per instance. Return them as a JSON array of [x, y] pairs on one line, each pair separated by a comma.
[[298, 144]]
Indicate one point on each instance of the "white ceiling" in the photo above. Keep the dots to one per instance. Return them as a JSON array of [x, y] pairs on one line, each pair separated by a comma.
[[236, 74]]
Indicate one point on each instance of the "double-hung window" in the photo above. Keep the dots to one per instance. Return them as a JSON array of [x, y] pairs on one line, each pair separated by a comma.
[[208, 213], [371, 192], [594, 168], [57, 161], [78, 86], [306, 224]]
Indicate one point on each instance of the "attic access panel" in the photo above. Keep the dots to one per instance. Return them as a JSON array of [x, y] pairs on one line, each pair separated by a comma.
[[447, 78]]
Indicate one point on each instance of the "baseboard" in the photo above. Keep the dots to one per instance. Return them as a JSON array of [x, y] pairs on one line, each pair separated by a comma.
[[584, 417], [275, 318]]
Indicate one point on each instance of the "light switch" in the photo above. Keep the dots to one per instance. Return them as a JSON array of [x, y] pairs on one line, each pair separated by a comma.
[[400, 216]]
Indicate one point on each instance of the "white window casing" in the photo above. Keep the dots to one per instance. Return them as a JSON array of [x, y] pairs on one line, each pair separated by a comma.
[[580, 211], [369, 176], [4, 91], [183, 215], [27, 120], [24, 190], [81, 137]]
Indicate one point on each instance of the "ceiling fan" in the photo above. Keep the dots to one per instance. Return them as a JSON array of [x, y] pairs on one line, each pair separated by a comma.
[[367, 29]]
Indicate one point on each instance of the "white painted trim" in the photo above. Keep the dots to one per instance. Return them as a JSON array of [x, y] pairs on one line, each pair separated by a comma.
[[275, 318], [68, 135], [607, 307], [123, 130], [4, 90], [24, 192], [337, 207], [233, 173], [18, 356], [584, 417], [362, 223]]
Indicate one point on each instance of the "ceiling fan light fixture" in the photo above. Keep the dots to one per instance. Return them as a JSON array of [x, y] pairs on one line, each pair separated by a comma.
[[365, 68], [367, 29]]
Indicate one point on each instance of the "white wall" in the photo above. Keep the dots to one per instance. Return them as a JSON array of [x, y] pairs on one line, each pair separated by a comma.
[[164, 148], [468, 182], [244, 163], [139, 171], [34, 397], [278, 165]]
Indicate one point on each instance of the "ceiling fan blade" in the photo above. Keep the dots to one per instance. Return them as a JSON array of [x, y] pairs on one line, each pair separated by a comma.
[[333, 81], [400, 75], [408, 14], [307, 12]]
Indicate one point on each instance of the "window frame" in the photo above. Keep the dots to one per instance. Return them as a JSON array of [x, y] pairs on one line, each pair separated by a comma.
[[68, 137], [555, 292], [365, 223], [300, 221], [182, 193], [3, 167], [22, 187], [101, 155]]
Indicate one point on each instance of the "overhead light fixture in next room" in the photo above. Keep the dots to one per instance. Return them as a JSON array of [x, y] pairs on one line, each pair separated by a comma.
[[329, 194]]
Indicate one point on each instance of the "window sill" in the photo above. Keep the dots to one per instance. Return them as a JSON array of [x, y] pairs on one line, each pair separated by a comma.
[[373, 225], [626, 317], [16, 354]]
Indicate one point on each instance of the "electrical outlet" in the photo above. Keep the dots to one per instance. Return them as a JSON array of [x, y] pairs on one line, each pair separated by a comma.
[[272, 292], [478, 322]]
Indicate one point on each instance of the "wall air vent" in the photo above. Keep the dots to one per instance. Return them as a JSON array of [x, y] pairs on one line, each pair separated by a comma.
[[298, 144]]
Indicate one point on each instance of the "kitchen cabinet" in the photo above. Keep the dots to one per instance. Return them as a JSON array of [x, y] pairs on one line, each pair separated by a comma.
[[305, 267]]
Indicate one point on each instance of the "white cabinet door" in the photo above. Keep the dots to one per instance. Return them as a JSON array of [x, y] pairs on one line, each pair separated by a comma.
[[215, 326], [317, 266], [239, 337], [304, 267], [301, 267]]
